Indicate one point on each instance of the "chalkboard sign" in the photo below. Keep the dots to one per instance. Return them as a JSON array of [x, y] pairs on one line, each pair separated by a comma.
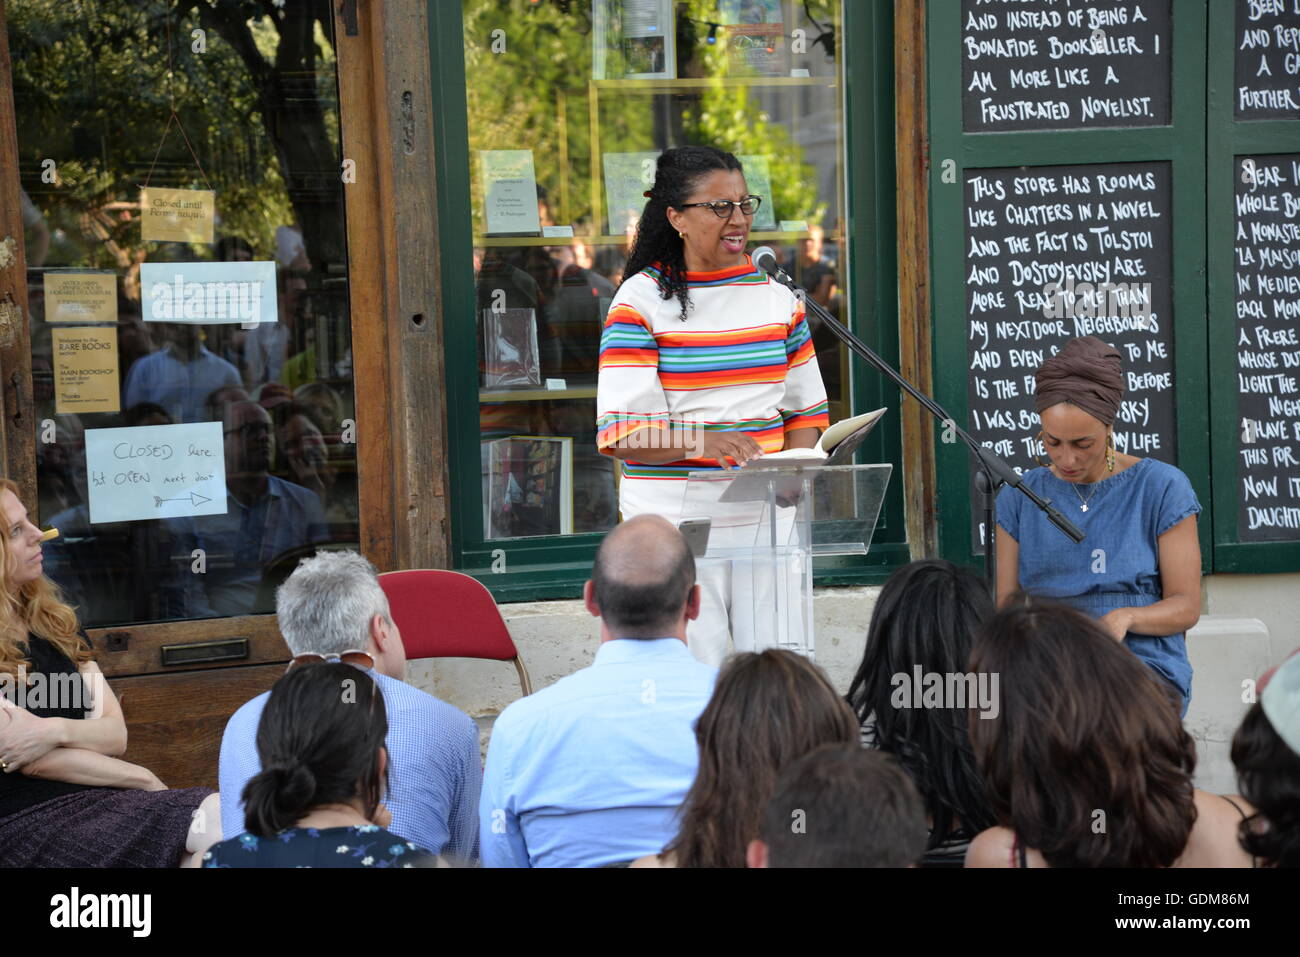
[[1048, 65], [1267, 254], [1055, 252], [1268, 60]]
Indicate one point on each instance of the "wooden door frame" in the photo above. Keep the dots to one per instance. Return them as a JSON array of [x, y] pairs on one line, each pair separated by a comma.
[[17, 427], [912, 136], [394, 273]]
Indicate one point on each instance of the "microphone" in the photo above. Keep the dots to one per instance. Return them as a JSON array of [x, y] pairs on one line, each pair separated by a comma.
[[765, 259]]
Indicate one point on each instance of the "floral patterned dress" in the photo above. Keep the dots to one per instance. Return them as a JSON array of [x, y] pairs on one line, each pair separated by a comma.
[[369, 846]]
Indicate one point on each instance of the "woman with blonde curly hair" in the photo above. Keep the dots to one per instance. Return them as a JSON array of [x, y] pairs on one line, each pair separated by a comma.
[[66, 799]]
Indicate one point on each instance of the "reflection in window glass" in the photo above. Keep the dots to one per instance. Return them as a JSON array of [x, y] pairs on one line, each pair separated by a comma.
[[568, 105], [241, 456]]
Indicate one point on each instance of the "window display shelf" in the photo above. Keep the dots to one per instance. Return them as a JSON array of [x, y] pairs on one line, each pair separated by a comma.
[[712, 82], [536, 395]]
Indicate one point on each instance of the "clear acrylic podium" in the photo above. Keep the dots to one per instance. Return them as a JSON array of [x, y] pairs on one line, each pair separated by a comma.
[[768, 523]]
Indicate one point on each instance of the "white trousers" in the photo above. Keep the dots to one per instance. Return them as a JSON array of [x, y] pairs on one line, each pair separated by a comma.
[[739, 610]]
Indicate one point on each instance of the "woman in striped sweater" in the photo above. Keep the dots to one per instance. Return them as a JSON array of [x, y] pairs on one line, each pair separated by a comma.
[[705, 363]]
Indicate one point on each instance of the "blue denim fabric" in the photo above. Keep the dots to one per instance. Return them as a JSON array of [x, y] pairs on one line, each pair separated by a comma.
[[1117, 563]]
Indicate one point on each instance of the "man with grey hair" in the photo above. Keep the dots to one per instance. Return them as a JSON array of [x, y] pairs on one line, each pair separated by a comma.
[[332, 608]]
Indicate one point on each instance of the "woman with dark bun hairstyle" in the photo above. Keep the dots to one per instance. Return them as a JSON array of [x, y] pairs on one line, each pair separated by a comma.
[[1266, 753], [317, 803], [1138, 568], [705, 363]]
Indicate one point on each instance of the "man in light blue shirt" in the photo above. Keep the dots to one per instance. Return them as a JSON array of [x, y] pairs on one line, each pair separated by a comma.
[[180, 376], [333, 604], [592, 770]]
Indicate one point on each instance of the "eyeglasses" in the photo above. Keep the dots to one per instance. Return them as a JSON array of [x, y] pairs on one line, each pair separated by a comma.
[[358, 659], [722, 208]]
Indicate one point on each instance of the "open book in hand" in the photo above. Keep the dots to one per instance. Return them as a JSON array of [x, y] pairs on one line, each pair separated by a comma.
[[835, 447]]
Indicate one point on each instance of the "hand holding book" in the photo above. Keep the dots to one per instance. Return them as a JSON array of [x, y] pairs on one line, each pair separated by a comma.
[[835, 447]]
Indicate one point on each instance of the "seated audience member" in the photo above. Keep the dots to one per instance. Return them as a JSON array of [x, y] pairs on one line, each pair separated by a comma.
[[1266, 753], [217, 401], [180, 376], [265, 516], [768, 710], [591, 771], [926, 617], [317, 801], [305, 456], [278, 402], [1087, 763], [842, 807], [323, 406], [332, 607], [146, 414], [66, 798]]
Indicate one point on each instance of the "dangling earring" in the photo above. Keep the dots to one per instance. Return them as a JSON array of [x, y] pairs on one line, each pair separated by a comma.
[[1110, 451], [1041, 450]]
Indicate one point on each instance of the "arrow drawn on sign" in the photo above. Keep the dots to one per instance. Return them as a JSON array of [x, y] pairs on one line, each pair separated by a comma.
[[194, 498]]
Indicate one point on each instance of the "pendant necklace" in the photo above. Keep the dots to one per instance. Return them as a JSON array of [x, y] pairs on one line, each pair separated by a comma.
[[1083, 502]]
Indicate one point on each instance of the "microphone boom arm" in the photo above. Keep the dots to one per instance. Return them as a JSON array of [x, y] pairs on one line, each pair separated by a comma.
[[993, 471]]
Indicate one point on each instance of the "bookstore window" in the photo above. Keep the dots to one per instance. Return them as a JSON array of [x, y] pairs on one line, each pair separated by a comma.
[[187, 283], [568, 105]]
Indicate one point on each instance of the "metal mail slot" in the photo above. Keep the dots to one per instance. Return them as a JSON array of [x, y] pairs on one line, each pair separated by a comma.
[[198, 652]]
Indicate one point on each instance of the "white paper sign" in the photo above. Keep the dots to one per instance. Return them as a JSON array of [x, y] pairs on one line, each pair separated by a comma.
[[627, 177], [156, 471], [510, 191], [208, 292], [759, 180]]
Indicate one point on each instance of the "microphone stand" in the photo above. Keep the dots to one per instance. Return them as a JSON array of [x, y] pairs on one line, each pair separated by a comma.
[[991, 471]]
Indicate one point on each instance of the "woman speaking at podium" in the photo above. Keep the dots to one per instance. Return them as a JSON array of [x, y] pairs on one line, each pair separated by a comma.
[[705, 362], [1138, 567]]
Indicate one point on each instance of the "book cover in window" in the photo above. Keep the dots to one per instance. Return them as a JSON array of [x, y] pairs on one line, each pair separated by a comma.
[[755, 34], [649, 40], [529, 486]]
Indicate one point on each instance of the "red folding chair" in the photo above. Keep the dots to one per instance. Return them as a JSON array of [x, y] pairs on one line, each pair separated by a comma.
[[444, 614]]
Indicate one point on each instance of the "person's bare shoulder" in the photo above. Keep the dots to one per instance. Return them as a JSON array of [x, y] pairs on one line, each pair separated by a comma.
[[990, 848], [1214, 839]]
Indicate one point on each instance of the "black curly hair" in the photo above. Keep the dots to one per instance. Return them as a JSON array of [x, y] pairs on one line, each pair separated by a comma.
[[677, 174], [1268, 775]]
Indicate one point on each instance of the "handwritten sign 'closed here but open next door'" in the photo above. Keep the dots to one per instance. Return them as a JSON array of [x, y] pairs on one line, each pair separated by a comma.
[[158, 471]]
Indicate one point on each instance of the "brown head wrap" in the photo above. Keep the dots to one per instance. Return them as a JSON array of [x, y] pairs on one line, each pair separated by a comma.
[[1086, 373]]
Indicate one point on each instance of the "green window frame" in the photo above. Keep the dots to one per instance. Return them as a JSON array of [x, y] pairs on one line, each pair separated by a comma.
[[1231, 139], [555, 567]]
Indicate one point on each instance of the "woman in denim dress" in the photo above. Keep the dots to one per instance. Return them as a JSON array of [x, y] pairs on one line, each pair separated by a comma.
[[1138, 567]]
